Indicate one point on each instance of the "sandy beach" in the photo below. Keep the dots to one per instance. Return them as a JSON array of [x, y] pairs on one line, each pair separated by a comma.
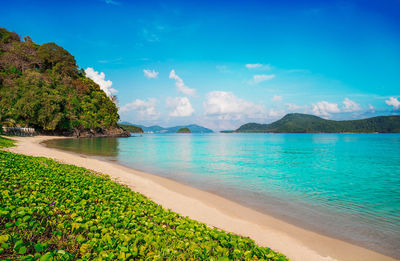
[[295, 242]]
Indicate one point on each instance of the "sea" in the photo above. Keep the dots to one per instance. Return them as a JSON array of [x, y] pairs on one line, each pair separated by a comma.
[[346, 186]]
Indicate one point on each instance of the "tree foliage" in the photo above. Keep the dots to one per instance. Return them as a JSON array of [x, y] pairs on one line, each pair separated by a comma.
[[131, 128], [42, 87], [303, 123], [184, 130]]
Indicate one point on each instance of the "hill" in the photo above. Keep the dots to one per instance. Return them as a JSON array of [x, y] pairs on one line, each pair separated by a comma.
[[193, 128], [154, 128], [304, 123], [184, 130], [131, 128], [158, 129], [42, 87]]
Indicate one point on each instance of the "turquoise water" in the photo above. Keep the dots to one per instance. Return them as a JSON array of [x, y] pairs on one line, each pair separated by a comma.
[[343, 185]]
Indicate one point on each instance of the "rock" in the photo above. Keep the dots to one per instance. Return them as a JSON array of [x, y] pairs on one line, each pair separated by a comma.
[[100, 132]]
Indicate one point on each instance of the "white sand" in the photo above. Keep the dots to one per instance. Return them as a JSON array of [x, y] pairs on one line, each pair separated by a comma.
[[295, 242]]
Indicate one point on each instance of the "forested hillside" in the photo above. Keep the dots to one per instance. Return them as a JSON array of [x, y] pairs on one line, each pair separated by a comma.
[[158, 129], [131, 128], [41, 86], [184, 130], [304, 123]]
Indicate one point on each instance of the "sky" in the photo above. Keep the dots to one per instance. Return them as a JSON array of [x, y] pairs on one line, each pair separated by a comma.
[[221, 64]]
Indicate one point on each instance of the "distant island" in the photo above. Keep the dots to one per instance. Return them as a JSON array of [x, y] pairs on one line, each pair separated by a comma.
[[158, 129], [42, 87], [131, 128], [304, 123], [184, 130]]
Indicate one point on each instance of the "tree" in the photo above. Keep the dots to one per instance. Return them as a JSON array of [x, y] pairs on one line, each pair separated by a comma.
[[41, 87]]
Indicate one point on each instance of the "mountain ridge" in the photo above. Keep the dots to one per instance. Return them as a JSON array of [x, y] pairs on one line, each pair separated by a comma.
[[194, 128], [305, 123]]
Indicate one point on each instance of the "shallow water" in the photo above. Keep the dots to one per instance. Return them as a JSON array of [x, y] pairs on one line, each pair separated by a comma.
[[343, 185]]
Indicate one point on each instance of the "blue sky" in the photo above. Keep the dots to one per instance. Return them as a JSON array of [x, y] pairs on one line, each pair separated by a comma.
[[224, 63]]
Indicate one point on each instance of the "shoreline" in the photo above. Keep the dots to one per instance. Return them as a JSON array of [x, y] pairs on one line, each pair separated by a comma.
[[294, 242]]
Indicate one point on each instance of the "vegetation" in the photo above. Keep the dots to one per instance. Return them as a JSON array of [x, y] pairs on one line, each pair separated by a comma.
[[50, 210], [158, 129], [192, 127], [42, 87], [184, 130], [4, 142], [131, 128], [303, 123]]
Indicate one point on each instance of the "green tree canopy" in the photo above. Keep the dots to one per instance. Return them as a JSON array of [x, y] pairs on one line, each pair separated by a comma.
[[42, 87]]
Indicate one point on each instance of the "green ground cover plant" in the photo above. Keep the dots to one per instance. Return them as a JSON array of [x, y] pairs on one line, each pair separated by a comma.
[[54, 211], [4, 142]]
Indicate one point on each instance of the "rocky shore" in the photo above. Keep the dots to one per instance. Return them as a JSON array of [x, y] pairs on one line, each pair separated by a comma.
[[90, 133]]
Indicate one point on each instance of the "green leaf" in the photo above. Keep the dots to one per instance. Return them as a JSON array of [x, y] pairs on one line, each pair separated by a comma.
[[46, 257], [5, 245], [22, 250], [85, 248], [9, 224], [144, 230], [18, 244], [4, 238], [38, 247], [80, 238]]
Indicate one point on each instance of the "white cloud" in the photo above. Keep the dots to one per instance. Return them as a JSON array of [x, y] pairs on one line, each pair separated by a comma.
[[276, 113], [253, 65], [145, 109], [150, 74], [226, 106], [180, 85], [262, 77], [277, 98], [371, 108], [393, 102], [180, 106], [295, 107], [258, 66], [99, 78], [350, 106], [324, 108]]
